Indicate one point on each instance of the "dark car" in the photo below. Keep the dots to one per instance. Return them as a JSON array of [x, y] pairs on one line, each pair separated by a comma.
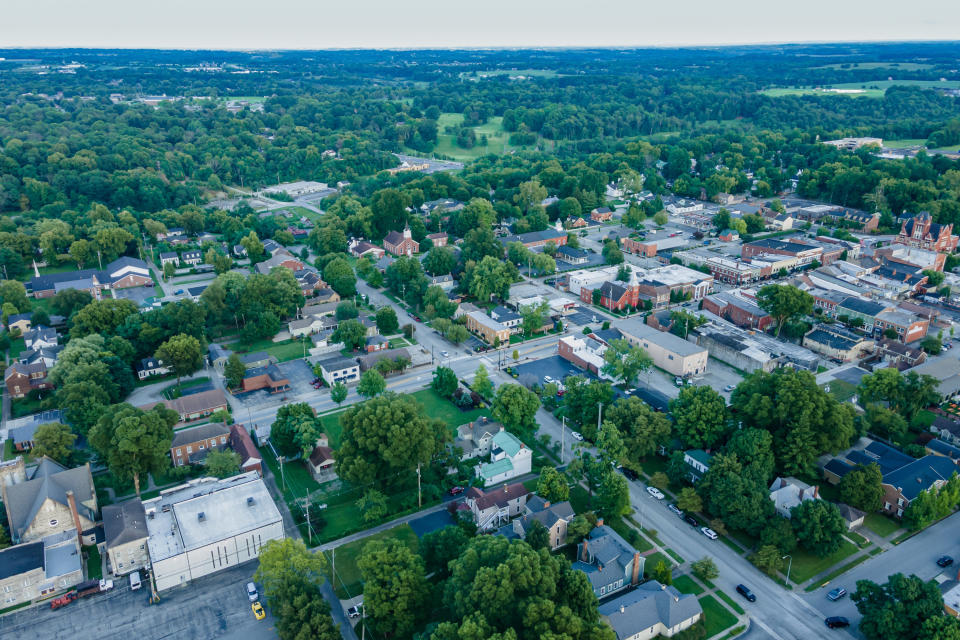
[[455, 491], [837, 622], [693, 522], [746, 593], [629, 473], [944, 561]]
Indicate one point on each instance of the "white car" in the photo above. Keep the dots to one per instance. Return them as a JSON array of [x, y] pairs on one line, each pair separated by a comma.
[[547, 379], [656, 493], [444, 354], [576, 436], [710, 533], [252, 594], [729, 387]]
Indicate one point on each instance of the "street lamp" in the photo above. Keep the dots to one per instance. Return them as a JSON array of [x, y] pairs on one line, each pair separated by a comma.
[[788, 567]]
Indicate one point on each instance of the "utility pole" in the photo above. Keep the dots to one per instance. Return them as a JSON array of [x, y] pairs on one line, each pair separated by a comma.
[[419, 495], [282, 480], [599, 414], [563, 433]]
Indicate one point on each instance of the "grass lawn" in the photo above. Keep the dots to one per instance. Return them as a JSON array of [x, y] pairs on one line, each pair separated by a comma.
[[858, 539], [580, 499], [841, 390], [497, 138], [653, 560], [173, 391], [439, 407], [881, 524], [676, 556], [8, 449], [282, 351], [16, 346], [348, 582], [686, 584], [745, 539], [906, 142], [296, 481], [730, 601], [94, 566], [806, 565], [716, 618], [24, 406], [833, 574]]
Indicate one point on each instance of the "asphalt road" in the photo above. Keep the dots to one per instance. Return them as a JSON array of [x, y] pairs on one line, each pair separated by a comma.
[[917, 556]]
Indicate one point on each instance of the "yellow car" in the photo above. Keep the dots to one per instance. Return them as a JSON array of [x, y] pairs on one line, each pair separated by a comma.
[[258, 611]]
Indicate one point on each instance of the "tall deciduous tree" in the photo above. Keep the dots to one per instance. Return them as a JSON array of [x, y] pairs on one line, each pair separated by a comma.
[[438, 548], [53, 440], [613, 496], [642, 428], [371, 384], [385, 438], [862, 488], [700, 416], [625, 361], [516, 407], [395, 589], [134, 442], [295, 429], [552, 486], [338, 392], [182, 353], [900, 609], [444, 381], [222, 464], [234, 371], [481, 383], [784, 303], [819, 526]]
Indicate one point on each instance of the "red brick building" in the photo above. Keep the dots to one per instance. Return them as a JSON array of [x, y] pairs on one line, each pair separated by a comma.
[[401, 244], [637, 247], [738, 309], [21, 379], [922, 232]]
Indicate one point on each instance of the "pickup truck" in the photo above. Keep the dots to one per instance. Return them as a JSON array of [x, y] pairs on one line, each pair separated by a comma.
[[91, 587]]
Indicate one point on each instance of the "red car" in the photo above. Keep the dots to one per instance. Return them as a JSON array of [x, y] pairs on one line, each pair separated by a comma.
[[455, 491]]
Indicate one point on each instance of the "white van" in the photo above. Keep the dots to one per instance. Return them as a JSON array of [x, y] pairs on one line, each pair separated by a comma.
[[135, 581]]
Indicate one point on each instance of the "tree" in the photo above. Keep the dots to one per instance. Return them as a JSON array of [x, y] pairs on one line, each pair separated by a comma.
[[625, 361], [700, 416], [768, 559], [445, 381], [440, 261], [438, 548], [481, 383], [734, 497], [516, 407], [932, 345], [55, 441], [659, 480], [386, 319], [779, 533], [683, 321], [340, 276], [182, 353], [662, 573], [80, 251], [346, 310], [371, 384], [222, 464], [66, 302], [537, 536], [385, 438], [395, 589], [552, 486], [490, 277], [784, 303], [862, 488], [295, 430], [290, 576], [253, 246], [578, 529], [610, 447], [819, 526], [134, 442], [906, 394], [13, 292], [372, 505], [611, 253], [533, 317], [338, 392], [351, 333], [234, 371], [689, 500], [660, 218], [642, 428], [898, 609], [754, 451], [705, 569], [102, 316]]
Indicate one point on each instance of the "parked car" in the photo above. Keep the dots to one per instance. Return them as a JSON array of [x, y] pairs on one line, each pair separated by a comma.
[[355, 610], [630, 474], [455, 491], [576, 436], [252, 594], [547, 379], [690, 520], [944, 561], [445, 354], [675, 509], [678, 381], [729, 387], [656, 493], [135, 581], [836, 594], [746, 593], [710, 533], [837, 622], [258, 611]]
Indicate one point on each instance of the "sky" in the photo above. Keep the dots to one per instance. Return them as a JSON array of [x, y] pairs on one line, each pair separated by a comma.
[[375, 24]]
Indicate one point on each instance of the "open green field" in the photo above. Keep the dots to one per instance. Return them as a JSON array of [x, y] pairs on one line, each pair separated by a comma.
[[348, 582], [497, 138], [806, 565], [716, 618], [903, 144], [282, 351], [813, 91], [901, 66], [871, 89]]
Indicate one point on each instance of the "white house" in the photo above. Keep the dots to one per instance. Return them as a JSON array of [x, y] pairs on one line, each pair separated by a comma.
[[208, 525], [509, 458], [788, 493]]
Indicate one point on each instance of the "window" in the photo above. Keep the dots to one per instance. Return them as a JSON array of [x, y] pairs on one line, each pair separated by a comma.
[[179, 451], [53, 522], [603, 590], [900, 502], [189, 449]]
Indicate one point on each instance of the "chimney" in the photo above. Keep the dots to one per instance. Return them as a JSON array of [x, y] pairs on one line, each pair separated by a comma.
[[72, 501], [546, 504], [599, 522], [816, 491], [584, 555], [635, 578]]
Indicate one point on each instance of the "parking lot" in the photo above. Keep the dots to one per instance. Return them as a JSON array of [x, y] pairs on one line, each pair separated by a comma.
[[213, 607], [554, 366], [135, 294]]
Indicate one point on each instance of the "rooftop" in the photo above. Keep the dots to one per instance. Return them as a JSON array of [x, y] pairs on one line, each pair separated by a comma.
[[175, 525]]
